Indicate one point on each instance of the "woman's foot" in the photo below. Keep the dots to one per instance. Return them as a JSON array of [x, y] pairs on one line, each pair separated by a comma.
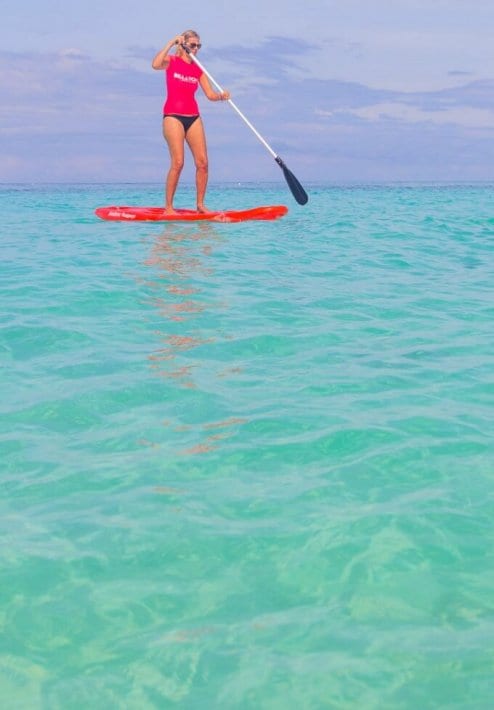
[[202, 209], [169, 210]]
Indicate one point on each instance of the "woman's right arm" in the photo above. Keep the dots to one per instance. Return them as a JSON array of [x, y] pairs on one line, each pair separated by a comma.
[[162, 59]]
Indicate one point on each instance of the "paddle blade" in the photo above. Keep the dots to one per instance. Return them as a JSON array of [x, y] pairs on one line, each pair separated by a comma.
[[296, 188]]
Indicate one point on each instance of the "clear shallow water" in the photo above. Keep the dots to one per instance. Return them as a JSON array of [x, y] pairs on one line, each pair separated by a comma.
[[248, 465]]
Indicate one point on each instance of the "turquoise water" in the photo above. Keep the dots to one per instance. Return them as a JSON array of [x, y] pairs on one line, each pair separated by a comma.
[[248, 465]]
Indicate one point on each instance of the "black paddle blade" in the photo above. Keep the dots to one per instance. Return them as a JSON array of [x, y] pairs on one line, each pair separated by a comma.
[[296, 188]]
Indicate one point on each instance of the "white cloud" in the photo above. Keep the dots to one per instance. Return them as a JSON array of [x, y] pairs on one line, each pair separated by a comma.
[[460, 116], [65, 115]]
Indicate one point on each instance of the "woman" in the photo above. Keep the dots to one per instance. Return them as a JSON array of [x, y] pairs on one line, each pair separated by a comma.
[[181, 119]]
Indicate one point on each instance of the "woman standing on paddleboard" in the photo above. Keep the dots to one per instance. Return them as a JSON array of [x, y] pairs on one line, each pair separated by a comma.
[[181, 120]]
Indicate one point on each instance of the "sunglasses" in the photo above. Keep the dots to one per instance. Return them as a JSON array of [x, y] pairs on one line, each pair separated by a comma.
[[194, 45]]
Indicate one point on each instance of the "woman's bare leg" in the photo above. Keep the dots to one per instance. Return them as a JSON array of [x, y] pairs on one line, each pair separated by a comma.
[[196, 140], [174, 134]]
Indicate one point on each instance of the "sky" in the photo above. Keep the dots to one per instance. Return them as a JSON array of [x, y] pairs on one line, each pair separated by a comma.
[[342, 90]]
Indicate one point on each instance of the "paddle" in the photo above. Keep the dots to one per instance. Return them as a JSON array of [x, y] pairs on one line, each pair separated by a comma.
[[296, 188]]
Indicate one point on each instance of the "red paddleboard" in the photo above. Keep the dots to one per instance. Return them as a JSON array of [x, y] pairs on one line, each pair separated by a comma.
[[158, 214]]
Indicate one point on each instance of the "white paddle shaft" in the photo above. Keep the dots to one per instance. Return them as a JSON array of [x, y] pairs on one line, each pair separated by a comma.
[[234, 106]]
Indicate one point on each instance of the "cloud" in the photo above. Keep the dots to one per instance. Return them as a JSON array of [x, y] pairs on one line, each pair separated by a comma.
[[459, 72], [469, 118], [468, 106], [67, 90], [66, 116]]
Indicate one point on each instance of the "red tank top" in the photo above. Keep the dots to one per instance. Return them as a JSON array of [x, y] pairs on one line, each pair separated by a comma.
[[182, 80]]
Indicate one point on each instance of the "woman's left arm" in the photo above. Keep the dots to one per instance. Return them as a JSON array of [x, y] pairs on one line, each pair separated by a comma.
[[209, 91]]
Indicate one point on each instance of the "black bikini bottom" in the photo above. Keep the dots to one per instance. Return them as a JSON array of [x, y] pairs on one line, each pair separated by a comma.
[[186, 121]]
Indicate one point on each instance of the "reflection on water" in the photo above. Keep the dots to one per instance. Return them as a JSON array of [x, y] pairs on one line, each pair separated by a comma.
[[180, 261]]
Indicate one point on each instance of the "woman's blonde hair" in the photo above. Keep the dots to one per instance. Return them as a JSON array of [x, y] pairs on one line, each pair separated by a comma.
[[187, 35]]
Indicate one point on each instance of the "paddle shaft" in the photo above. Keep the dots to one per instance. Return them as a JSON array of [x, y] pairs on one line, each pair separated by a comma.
[[296, 188], [234, 106]]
